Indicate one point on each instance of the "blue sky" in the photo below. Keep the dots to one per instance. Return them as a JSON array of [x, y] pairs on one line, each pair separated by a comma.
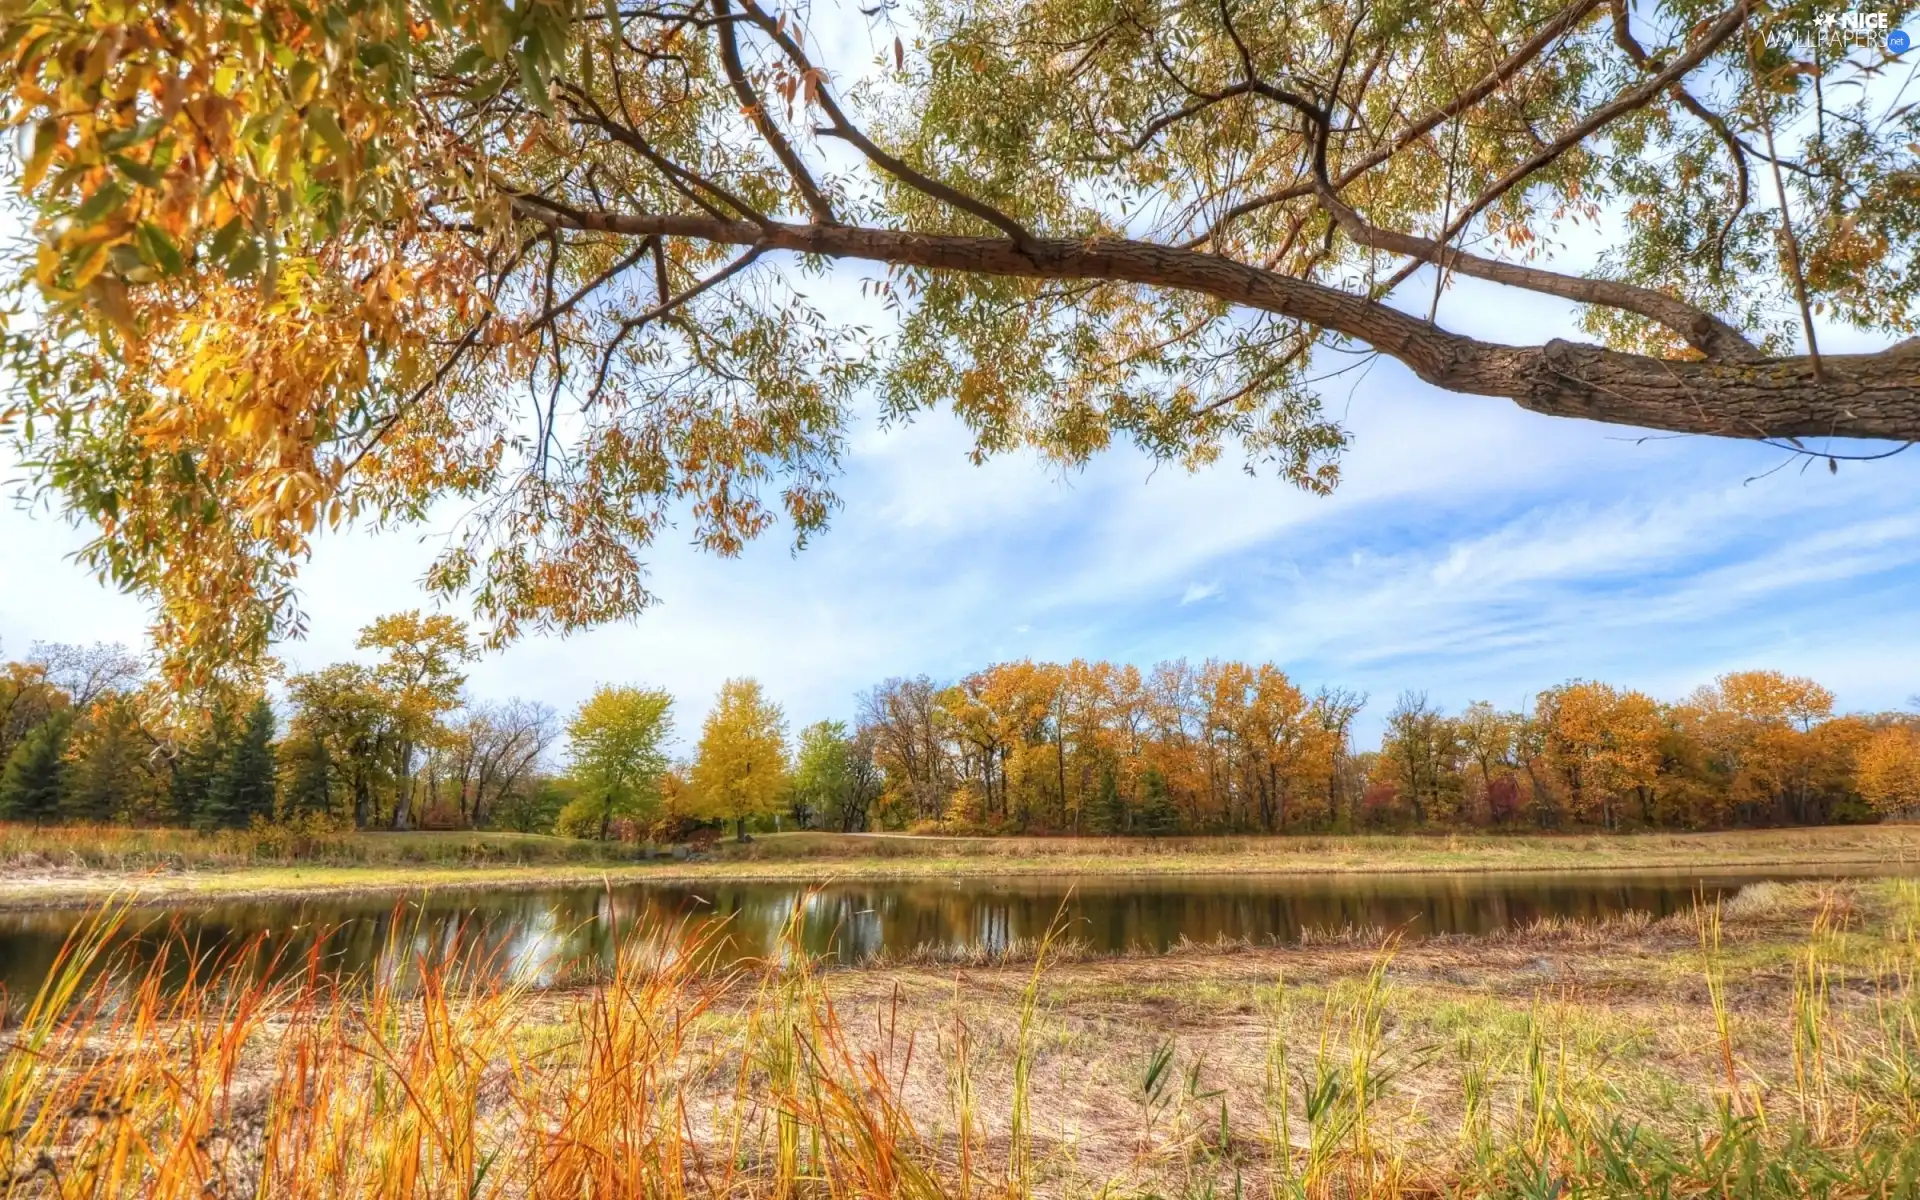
[[1473, 550]]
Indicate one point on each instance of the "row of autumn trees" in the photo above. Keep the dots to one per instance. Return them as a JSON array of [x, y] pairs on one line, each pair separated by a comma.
[[78, 743], [396, 742], [1233, 747]]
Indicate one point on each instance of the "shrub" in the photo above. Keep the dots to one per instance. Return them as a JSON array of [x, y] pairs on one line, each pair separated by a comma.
[[580, 818], [308, 835]]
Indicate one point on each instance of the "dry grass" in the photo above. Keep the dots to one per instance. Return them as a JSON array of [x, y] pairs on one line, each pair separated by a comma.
[[116, 848], [79, 866], [1769, 1048], [1441, 849]]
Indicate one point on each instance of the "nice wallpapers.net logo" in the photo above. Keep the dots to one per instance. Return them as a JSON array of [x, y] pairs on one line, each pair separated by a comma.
[[1856, 26]]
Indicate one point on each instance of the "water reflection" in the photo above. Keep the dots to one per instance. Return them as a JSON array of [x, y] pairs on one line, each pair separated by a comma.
[[537, 934]]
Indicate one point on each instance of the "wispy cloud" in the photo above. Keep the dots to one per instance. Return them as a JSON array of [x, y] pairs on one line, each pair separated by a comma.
[[1472, 549]]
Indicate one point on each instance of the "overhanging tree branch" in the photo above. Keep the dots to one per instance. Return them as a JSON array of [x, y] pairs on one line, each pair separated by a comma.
[[1863, 396], [839, 126], [1712, 38], [1707, 333]]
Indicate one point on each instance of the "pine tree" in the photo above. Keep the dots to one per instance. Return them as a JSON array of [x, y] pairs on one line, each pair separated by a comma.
[[240, 787], [1109, 806], [1158, 816], [252, 773], [34, 780], [199, 770], [103, 781], [308, 770]]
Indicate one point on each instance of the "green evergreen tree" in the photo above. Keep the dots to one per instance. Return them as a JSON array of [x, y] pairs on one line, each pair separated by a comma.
[[1109, 806], [34, 780], [254, 785], [241, 786], [103, 781], [199, 768], [1158, 816], [307, 771]]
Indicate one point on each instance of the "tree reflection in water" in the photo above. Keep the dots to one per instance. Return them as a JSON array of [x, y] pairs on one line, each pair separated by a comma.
[[544, 934]]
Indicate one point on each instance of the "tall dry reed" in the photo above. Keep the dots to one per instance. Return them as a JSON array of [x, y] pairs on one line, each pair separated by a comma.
[[671, 1077]]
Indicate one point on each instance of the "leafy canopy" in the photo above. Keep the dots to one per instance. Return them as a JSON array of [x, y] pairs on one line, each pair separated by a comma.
[[618, 743], [740, 765], [294, 265]]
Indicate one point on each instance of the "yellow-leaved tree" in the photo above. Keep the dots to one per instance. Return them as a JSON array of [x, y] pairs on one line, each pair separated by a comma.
[[1888, 770], [420, 676], [617, 744], [740, 768]]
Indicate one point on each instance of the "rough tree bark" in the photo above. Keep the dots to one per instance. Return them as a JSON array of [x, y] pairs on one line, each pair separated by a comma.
[[1735, 395]]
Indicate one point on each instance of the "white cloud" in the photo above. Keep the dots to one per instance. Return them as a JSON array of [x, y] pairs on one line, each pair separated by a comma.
[[1472, 550]]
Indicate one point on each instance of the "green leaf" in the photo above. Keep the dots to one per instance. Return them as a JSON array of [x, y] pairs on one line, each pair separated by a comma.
[[532, 79], [225, 239], [485, 90], [107, 198], [245, 259], [613, 15], [46, 135], [324, 123], [468, 60], [141, 173], [304, 79], [132, 135], [159, 249]]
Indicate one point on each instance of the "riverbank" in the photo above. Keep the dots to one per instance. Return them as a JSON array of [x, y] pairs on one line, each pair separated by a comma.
[[1755, 1050], [55, 868]]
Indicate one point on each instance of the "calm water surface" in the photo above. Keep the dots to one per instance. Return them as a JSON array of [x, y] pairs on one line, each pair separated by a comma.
[[541, 933]]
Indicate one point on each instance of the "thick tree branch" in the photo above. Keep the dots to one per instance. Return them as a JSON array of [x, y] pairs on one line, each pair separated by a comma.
[[1863, 396], [756, 112], [847, 131], [1561, 23], [1707, 333]]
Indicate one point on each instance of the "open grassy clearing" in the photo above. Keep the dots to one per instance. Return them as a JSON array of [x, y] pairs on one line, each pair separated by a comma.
[[82, 866], [1770, 1049]]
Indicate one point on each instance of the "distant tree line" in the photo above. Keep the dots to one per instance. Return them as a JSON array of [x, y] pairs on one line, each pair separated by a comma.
[[1078, 748], [1227, 747], [79, 743], [87, 735]]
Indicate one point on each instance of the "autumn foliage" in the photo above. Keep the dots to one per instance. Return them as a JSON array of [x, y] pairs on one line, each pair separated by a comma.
[[1028, 746], [1082, 747], [553, 268]]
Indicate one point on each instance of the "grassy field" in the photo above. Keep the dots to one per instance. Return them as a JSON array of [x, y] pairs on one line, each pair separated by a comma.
[[78, 866], [1770, 1049]]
